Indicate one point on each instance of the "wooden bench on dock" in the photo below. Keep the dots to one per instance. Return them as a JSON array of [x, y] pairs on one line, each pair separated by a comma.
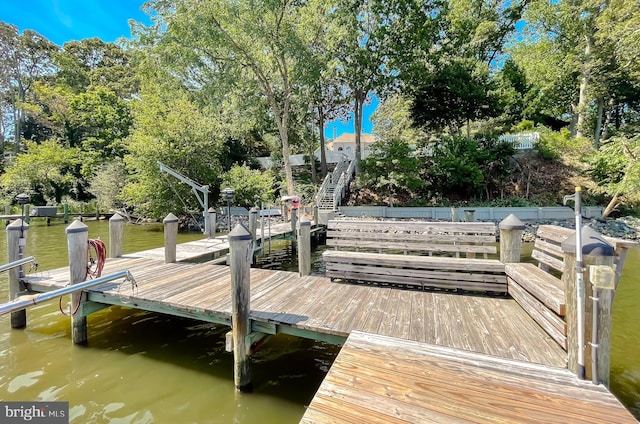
[[539, 289], [423, 254]]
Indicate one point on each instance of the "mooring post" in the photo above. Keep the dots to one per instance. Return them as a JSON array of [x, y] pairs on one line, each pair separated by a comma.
[[65, 211], [77, 243], [596, 252], [511, 229], [454, 214], [316, 214], [212, 223], [16, 238], [294, 223], [470, 215], [241, 252], [304, 247], [116, 232], [27, 213], [253, 223], [170, 237]]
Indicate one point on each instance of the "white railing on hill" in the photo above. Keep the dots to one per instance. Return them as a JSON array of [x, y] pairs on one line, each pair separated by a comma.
[[521, 141], [323, 189]]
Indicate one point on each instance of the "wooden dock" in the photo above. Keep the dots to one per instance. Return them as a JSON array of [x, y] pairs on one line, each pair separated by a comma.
[[430, 356], [316, 308], [212, 248], [378, 379]]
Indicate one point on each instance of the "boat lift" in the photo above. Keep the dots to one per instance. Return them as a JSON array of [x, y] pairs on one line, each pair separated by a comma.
[[201, 192]]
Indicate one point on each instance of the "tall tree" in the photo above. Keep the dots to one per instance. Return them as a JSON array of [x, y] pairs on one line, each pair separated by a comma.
[[24, 58], [257, 39]]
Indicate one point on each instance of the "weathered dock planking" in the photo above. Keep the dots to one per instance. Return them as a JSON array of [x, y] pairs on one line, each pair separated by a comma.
[[314, 307], [378, 379]]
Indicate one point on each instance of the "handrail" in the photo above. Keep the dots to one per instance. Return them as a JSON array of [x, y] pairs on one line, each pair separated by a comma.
[[338, 192], [16, 264], [323, 189], [24, 302]]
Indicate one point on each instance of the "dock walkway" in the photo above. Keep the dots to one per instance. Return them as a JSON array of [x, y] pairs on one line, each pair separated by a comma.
[[378, 379], [316, 308]]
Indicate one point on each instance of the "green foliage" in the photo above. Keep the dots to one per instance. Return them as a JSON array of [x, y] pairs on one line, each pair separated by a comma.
[[171, 129], [45, 169], [523, 126], [107, 183], [616, 171], [553, 144], [462, 168], [249, 183], [392, 121], [392, 168]]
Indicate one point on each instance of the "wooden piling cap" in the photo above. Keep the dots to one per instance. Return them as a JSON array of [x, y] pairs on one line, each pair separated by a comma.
[[170, 218], [16, 225], [77, 226], [593, 243], [211, 210], [511, 223], [255, 209], [116, 218], [240, 232], [304, 221]]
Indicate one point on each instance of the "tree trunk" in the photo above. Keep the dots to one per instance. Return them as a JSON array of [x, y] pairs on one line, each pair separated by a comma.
[[613, 204], [468, 128], [323, 153], [596, 135], [574, 119], [312, 161], [583, 99], [360, 97]]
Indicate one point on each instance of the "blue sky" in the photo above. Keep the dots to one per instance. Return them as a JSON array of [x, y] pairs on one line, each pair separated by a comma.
[[66, 20]]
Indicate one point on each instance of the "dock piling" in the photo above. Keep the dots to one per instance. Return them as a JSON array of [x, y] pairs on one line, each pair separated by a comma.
[[241, 251], [16, 236], [253, 223], [116, 232], [170, 237], [212, 223], [511, 229], [596, 251], [77, 242], [304, 247]]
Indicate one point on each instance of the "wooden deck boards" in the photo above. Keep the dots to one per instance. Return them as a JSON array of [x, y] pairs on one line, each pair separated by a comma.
[[377, 379], [314, 304]]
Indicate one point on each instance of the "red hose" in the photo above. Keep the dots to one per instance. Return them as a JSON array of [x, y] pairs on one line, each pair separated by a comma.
[[96, 263]]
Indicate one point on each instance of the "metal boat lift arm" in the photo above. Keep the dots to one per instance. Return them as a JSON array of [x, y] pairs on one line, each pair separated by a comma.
[[201, 192]]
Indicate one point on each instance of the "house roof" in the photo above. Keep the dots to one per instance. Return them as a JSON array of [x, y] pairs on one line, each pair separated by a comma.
[[351, 138]]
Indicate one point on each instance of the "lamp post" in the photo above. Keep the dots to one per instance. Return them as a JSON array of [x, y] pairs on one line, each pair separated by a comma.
[[22, 199], [228, 195]]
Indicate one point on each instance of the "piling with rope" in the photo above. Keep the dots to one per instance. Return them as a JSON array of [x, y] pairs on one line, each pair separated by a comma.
[[16, 247], [77, 242]]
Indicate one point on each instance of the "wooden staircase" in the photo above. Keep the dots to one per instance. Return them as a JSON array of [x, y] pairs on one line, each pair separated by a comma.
[[334, 186]]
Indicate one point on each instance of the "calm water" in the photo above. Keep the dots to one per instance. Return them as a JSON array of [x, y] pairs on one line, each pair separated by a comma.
[[148, 368], [142, 367]]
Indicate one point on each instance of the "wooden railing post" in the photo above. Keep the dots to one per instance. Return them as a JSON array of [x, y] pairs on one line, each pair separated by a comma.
[[116, 232], [16, 238], [316, 214], [212, 223], [241, 252], [596, 251], [294, 223], [304, 247], [77, 242], [253, 223], [65, 211], [511, 229], [170, 237]]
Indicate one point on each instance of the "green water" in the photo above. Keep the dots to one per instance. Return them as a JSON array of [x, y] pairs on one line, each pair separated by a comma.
[[142, 367], [148, 368]]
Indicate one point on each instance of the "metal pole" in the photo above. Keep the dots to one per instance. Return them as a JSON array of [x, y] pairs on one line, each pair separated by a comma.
[[24, 302], [579, 283], [14, 264], [594, 336]]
